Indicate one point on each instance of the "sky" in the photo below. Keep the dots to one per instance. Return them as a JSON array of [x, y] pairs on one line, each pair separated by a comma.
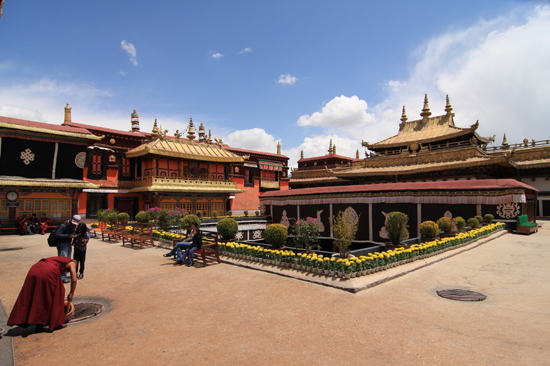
[[295, 72]]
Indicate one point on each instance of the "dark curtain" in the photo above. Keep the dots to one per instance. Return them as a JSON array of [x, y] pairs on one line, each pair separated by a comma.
[[67, 161], [27, 158]]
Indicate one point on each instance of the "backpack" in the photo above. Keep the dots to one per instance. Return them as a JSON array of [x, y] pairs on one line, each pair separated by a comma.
[[51, 239]]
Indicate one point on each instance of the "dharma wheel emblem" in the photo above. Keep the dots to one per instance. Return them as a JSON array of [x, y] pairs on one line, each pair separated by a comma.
[[27, 156], [80, 159], [508, 210]]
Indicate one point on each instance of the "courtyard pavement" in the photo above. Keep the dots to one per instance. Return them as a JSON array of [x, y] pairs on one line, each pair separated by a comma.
[[160, 314]]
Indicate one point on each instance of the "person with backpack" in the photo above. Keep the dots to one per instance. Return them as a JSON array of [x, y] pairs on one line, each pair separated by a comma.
[[64, 235], [80, 245]]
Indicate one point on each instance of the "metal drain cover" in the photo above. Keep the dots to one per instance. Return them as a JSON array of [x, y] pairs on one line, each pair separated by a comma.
[[461, 295], [85, 310]]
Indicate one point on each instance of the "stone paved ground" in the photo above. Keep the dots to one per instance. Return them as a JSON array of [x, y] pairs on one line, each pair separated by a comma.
[[161, 314]]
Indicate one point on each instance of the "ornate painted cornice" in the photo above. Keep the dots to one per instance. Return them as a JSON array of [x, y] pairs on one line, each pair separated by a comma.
[[48, 131]]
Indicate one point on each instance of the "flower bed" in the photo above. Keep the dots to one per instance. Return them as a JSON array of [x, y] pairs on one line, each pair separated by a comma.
[[355, 266]]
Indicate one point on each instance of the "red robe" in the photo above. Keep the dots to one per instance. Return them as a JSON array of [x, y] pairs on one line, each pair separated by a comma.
[[42, 298], [44, 223]]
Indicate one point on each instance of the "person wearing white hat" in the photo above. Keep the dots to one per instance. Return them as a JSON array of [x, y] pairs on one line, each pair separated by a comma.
[[64, 234]]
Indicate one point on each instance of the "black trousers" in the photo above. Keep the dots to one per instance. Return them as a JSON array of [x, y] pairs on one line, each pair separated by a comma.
[[80, 258]]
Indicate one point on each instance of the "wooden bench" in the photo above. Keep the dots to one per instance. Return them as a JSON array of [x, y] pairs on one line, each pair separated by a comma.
[[101, 226], [526, 227], [141, 234], [113, 232], [208, 253]]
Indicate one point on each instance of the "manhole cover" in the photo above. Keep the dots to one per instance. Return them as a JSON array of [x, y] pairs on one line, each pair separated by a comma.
[[85, 310], [8, 249], [461, 295]]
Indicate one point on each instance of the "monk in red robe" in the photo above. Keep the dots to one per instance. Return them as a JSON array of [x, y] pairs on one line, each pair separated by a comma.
[[23, 225], [42, 298], [44, 223]]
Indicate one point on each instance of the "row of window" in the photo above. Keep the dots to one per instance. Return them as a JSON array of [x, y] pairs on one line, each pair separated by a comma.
[[55, 209], [189, 207]]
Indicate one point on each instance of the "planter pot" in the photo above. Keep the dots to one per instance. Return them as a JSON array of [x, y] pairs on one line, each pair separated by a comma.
[[390, 246], [353, 275], [347, 275], [425, 240], [331, 273]]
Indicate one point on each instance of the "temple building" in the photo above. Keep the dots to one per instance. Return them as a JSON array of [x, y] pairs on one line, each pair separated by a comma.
[[75, 168], [433, 148]]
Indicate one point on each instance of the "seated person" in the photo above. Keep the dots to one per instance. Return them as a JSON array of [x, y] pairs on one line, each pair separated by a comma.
[[34, 224], [182, 245], [23, 225], [196, 244], [44, 223]]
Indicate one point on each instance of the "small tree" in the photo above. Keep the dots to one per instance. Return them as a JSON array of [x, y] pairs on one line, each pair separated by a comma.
[[345, 226], [164, 220], [276, 234], [245, 213], [257, 213], [143, 217], [227, 228], [199, 214], [188, 220], [396, 226], [214, 214], [123, 216], [473, 222], [488, 218], [446, 225], [154, 212], [229, 213], [112, 215], [429, 229], [479, 218], [459, 222]]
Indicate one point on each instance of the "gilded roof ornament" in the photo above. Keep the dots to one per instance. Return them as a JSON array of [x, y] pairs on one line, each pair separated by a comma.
[[279, 148], [202, 134], [191, 130], [357, 154], [155, 130], [218, 140], [448, 108], [334, 149], [426, 110], [177, 134], [67, 113], [504, 141], [403, 119], [301, 154], [330, 147]]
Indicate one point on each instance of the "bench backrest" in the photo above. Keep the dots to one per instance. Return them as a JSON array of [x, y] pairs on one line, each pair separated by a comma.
[[523, 219]]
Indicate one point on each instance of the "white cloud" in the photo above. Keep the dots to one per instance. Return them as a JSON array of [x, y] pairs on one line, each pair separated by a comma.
[[217, 55], [494, 71], [254, 139], [340, 112], [130, 50], [246, 50], [287, 79]]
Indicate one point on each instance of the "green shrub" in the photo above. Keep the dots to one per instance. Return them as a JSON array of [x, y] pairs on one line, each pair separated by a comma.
[[164, 220], [445, 224], [245, 213], [112, 215], [257, 213], [187, 220], [143, 217], [214, 214], [429, 229], [488, 218], [199, 214], [227, 228], [276, 234], [123, 216], [473, 222], [396, 226], [101, 216], [459, 222], [229, 213], [480, 219]]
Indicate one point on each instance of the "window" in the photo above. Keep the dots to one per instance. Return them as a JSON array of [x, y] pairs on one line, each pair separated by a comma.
[[96, 166], [125, 169], [249, 177]]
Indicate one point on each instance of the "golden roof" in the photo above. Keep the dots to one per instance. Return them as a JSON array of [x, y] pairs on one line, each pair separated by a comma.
[[186, 150], [426, 130]]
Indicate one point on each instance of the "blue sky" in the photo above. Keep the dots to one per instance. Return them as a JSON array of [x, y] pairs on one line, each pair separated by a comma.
[[296, 72]]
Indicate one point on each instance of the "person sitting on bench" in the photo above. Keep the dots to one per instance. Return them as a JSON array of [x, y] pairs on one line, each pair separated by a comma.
[[182, 245], [196, 244]]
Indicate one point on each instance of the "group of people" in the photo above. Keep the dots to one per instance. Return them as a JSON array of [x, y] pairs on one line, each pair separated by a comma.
[[188, 246], [26, 226], [41, 300]]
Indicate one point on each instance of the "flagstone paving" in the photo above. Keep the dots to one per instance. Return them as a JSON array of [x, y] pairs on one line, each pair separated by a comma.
[[160, 314]]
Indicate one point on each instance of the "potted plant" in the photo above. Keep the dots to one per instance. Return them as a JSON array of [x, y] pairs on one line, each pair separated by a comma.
[[276, 234], [428, 230], [227, 228], [188, 220], [446, 225], [480, 219], [488, 218], [460, 223], [396, 226], [344, 226], [473, 222], [143, 217]]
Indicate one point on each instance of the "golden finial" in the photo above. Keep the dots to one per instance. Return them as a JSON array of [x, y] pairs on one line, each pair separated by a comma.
[[448, 107], [505, 142], [67, 113], [334, 149], [201, 132], [155, 130], [330, 147], [279, 148], [177, 134], [357, 154], [426, 110], [301, 154], [525, 142], [403, 119], [191, 130]]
